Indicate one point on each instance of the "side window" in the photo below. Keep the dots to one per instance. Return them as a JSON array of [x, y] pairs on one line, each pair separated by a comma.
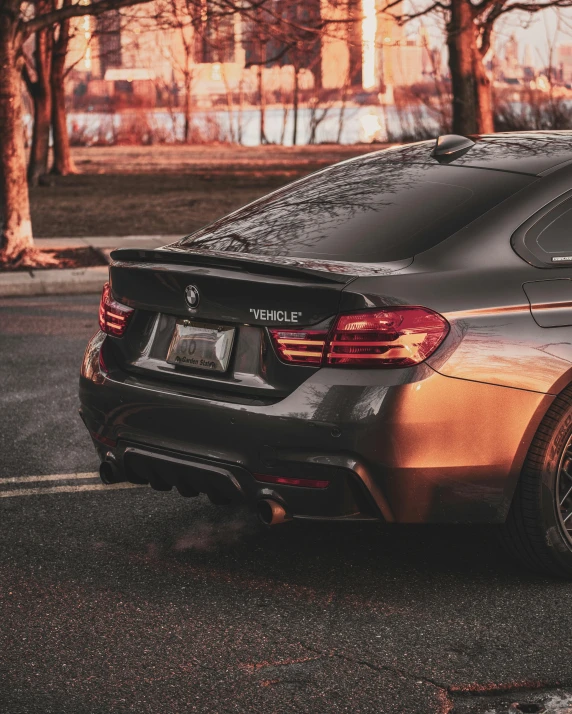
[[546, 238]]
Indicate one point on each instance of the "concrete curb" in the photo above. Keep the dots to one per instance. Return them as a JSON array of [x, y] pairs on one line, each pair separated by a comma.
[[63, 281], [108, 241], [73, 281]]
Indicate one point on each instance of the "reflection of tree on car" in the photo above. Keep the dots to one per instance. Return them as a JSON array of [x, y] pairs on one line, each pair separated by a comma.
[[361, 203]]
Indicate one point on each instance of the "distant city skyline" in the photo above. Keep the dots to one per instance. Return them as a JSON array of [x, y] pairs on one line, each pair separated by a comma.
[[531, 30], [541, 32]]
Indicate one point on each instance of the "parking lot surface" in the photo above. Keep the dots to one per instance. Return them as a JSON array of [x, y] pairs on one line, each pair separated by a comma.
[[121, 599]]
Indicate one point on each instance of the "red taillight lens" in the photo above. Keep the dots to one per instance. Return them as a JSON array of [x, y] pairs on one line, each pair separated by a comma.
[[288, 481], [396, 337], [300, 346], [113, 316], [103, 439]]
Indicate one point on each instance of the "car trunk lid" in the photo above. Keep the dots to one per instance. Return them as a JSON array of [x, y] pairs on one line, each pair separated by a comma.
[[230, 289], [245, 295]]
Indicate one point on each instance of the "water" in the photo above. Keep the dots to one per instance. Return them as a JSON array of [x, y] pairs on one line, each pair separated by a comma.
[[359, 124]]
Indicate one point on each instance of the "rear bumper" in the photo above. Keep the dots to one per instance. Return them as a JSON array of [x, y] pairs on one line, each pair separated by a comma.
[[436, 450], [345, 498]]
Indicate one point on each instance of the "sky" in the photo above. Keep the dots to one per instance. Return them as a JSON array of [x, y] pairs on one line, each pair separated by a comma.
[[546, 28], [538, 31]]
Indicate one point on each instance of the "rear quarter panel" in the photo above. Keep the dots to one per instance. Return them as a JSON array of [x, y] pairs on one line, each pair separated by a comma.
[[475, 279]]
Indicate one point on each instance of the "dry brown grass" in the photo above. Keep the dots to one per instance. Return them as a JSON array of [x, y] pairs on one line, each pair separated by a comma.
[[134, 190]]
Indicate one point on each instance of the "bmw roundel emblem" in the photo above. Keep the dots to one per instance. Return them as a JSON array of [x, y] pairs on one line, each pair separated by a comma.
[[192, 296]]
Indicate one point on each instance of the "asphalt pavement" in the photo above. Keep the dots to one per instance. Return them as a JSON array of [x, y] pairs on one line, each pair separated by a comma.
[[129, 600]]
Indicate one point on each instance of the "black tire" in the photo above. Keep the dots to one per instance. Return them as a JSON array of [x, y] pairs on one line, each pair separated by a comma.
[[534, 532]]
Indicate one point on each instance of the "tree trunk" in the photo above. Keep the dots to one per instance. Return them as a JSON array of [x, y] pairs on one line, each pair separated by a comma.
[[39, 151], [295, 102], [240, 112], [63, 162], [188, 107], [342, 113], [485, 115], [42, 99], [263, 139], [285, 112], [461, 41], [16, 225], [472, 102]]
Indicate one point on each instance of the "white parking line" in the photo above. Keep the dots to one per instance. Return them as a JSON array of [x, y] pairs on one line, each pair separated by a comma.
[[51, 477], [67, 488]]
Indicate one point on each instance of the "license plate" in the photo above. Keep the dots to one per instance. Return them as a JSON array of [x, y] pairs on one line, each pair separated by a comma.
[[201, 346]]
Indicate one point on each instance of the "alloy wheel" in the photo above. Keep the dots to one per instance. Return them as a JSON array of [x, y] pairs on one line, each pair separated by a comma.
[[564, 490]]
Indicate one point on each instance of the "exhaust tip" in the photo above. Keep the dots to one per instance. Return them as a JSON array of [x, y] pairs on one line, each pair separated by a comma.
[[271, 513], [109, 473]]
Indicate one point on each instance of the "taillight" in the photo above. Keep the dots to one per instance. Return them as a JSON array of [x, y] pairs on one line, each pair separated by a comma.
[[103, 439], [300, 346], [289, 481], [113, 316], [394, 337]]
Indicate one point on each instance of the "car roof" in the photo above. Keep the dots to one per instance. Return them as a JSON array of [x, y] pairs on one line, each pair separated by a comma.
[[532, 153]]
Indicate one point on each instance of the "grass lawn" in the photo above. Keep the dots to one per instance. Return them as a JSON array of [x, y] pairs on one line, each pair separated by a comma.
[[138, 190]]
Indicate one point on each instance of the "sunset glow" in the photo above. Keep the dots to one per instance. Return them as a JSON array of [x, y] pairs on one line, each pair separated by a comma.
[[368, 31], [87, 36]]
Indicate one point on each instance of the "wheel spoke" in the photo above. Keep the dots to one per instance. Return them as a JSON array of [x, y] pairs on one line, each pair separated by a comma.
[[566, 496], [567, 516]]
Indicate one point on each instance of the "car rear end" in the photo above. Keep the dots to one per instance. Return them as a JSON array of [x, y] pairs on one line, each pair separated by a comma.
[[248, 363], [231, 398]]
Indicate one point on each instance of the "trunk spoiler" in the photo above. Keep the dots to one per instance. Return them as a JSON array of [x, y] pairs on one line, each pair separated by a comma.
[[322, 271]]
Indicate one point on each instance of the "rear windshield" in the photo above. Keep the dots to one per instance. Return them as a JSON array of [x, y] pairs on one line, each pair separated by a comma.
[[365, 210]]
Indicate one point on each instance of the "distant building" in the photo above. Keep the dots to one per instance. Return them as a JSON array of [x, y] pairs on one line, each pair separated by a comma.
[[564, 62], [407, 63], [511, 67], [108, 32], [372, 54], [223, 54]]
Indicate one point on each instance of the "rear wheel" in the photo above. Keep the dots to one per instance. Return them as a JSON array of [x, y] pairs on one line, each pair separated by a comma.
[[538, 530]]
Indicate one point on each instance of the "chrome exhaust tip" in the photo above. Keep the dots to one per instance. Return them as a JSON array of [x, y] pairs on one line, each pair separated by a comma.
[[271, 513]]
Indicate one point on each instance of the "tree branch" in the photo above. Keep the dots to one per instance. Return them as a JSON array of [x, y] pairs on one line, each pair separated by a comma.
[[536, 6], [271, 60], [413, 15], [406, 17], [486, 27], [93, 8], [483, 6]]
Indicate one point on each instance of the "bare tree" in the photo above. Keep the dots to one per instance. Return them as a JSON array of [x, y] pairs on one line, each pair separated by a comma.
[[204, 34], [40, 92], [18, 21], [290, 33], [184, 17], [343, 105], [469, 28], [233, 130], [258, 32], [63, 164], [44, 73]]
